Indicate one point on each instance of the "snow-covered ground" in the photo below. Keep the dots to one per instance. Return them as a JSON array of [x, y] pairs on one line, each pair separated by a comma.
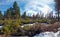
[[48, 34], [27, 25], [1, 26]]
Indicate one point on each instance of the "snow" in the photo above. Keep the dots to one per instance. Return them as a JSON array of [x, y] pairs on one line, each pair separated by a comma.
[[48, 34]]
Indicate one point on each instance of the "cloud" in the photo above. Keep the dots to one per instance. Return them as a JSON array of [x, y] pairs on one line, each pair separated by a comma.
[[47, 1], [46, 9], [31, 12], [35, 6]]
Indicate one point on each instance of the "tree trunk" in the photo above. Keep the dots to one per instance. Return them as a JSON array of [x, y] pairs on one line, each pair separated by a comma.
[[58, 14]]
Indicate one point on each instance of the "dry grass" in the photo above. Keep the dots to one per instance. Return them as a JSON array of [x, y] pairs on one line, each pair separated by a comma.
[[49, 27]]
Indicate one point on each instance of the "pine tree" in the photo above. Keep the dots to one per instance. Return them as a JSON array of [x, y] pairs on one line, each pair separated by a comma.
[[16, 10], [24, 15], [13, 12], [8, 13], [1, 16]]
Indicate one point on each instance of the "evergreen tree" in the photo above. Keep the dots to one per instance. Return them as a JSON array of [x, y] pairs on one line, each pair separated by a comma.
[[1, 16], [16, 10], [24, 15], [8, 13], [13, 12]]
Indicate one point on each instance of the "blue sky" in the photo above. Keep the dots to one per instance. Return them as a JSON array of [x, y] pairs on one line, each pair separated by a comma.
[[30, 6]]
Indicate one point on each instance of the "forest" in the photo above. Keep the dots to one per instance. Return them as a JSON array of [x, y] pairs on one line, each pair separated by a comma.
[[12, 20]]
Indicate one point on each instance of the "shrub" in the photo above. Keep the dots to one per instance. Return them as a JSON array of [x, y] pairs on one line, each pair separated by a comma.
[[1, 22], [25, 21], [52, 21], [43, 20], [11, 26], [27, 27]]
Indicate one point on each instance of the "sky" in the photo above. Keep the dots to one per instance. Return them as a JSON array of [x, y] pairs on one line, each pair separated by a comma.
[[30, 6]]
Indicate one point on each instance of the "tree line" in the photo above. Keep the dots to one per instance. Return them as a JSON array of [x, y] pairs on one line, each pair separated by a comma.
[[13, 26], [12, 13]]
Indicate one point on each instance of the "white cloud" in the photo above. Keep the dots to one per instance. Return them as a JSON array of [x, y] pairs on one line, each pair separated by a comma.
[[34, 6], [46, 9], [31, 12], [47, 1]]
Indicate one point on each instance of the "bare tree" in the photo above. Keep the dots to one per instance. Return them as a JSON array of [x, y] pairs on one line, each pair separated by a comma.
[[57, 7]]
